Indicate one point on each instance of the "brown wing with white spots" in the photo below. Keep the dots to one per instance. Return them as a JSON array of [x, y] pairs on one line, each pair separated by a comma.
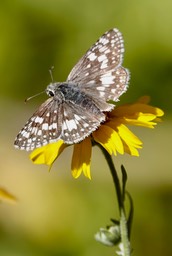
[[78, 122], [54, 121], [99, 71], [110, 86], [42, 128]]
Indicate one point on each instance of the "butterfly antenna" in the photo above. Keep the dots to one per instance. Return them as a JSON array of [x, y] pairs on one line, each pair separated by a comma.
[[51, 73], [29, 98]]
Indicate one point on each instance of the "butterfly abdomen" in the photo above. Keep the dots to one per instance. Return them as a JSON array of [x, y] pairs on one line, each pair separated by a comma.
[[73, 94]]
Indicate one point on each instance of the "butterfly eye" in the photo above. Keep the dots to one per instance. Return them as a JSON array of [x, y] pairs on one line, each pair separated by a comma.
[[51, 93]]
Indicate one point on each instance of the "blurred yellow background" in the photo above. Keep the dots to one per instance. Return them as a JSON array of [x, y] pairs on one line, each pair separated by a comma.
[[55, 214]]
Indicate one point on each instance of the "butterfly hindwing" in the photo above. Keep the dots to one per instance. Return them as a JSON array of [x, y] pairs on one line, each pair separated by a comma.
[[78, 123]]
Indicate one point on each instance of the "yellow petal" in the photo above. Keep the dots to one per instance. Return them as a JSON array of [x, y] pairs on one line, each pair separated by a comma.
[[133, 110], [143, 119], [131, 141], [130, 150], [47, 154], [81, 158], [109, 139]]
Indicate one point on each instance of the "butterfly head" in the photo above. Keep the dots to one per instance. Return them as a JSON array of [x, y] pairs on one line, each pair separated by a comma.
[[50, 90], [54, 90]]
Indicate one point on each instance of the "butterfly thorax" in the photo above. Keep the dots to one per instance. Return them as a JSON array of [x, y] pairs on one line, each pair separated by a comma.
[[70, 92], [64, 91]]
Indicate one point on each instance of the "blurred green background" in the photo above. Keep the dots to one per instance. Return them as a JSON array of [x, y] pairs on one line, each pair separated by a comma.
[[55, 214]]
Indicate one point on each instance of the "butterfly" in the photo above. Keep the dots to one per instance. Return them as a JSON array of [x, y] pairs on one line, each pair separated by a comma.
[[77, 107]]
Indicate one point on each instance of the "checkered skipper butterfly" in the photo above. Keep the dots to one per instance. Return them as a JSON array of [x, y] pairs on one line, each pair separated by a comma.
[[77, 106]]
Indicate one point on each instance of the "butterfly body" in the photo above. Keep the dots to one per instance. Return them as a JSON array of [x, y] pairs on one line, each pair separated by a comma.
[[71, 93], [77, 107]]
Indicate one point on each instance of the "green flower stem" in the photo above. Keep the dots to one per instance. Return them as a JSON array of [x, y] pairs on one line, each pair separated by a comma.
[[120, 198], [124, 233], [114, 175]]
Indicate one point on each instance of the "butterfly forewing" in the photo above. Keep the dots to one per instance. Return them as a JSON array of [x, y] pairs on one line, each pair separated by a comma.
[[106, 54], [99, 71], [42, 128]]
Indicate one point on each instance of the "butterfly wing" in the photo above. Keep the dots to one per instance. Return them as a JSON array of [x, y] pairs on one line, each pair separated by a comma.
[[99, 72], [42, 128], [54, 121], [78, 122]]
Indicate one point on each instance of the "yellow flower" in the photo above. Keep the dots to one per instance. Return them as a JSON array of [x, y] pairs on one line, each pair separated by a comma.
[[113, 135]]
